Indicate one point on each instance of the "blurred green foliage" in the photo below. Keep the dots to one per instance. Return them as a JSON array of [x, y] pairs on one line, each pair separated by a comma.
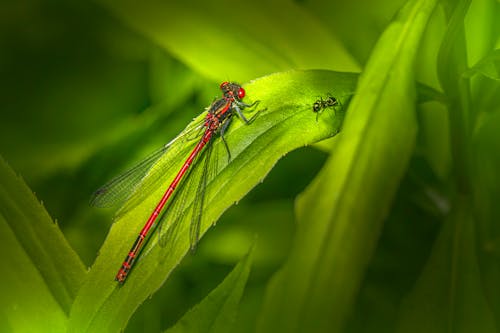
[[406, 214]]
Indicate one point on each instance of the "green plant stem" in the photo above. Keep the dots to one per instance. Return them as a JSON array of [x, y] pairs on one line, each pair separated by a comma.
[[452, 62]]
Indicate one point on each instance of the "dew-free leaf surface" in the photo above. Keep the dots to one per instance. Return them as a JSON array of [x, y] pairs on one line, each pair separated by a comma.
[[285, 122], [41, 274], [341, 213]]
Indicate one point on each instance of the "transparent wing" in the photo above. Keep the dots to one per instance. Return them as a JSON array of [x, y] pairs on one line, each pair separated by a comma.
[[179, 211], [123, 187], [118, 189], [208, 173], [186, 208]]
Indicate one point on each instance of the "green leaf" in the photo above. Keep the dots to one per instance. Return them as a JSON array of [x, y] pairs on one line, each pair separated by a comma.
[[341, 213], [358, 23], [489, 66], [217, 311], [41, 274], [434, 133], [486, 193], [481, 29], [286, 122], [452, 62], [223, 41], [449, 295]]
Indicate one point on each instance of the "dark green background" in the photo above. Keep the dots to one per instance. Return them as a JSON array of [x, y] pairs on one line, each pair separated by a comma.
[[85, 93]]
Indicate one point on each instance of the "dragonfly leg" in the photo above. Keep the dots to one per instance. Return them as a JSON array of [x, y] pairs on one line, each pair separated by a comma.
[[245, 105], [238, 110], [222, 132], [239, 104]]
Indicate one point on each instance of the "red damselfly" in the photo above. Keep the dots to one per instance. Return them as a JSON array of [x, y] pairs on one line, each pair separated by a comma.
[[121, 188]]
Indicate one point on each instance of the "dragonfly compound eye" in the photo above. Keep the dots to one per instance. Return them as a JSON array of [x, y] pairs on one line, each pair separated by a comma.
[[241, 93]]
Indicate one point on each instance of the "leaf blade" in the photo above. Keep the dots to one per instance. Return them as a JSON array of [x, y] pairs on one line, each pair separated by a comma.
[[194, 33], [49, 265], [24, 309], [340, 215], [287, 124], [217, 311], [449, 296]]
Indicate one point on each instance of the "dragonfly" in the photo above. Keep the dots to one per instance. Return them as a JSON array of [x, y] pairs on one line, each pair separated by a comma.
[[125, 186]]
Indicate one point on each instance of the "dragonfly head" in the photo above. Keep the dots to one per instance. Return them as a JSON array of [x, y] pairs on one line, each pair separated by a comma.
[[232, 90]]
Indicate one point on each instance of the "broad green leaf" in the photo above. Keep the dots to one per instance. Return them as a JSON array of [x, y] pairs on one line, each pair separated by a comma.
[[449, 295], [217, 312], [425, 70], [223, 41], [41, 274], [358, 23], [434, 134], [285, 122], [340, 214], [488, 66], [486, 193], [27, 304], [482, 31], [452, 63]]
